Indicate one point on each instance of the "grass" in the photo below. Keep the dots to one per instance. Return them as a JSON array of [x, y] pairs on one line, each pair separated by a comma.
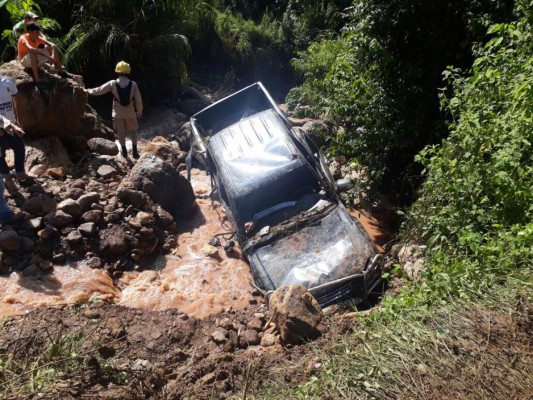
[[50, 361], [474, 350]]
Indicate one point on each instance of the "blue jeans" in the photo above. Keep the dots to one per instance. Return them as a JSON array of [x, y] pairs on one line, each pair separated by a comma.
[[16, 143], [5, 212]]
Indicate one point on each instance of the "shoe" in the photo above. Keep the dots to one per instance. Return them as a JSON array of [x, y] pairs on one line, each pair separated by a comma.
[[11, 218], [41, 85], [10, 184], [135, 153], [23, 176]]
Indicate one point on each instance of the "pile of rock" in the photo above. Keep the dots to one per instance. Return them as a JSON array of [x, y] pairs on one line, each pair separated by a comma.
[[92, 211]]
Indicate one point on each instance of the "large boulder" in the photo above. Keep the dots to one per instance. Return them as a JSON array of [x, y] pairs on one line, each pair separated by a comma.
[[60, 110], [157, 173], [45, 153], [55, 111], [160, 121], [296, 313]]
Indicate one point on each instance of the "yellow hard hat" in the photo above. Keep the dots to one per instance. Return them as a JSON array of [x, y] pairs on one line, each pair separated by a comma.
[[122, 67]]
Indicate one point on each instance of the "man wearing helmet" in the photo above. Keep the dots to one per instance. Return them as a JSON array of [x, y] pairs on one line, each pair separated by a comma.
[[127, 106]]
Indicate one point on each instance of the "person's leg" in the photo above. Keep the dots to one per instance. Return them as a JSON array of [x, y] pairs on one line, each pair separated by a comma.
[[4, 169], [35, 66], [120, 129], [19, 151], [5, 212], [132, 126]]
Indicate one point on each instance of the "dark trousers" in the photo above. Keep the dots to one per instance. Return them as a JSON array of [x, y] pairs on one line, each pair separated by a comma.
[[16, 143]]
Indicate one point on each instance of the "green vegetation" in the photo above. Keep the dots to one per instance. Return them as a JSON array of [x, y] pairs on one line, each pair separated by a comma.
[[453, 330], [379, 79]]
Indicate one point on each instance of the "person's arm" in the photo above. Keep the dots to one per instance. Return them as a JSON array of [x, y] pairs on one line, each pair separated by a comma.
[[105, 88], [14, 92], [34, 50], [6, 126], [138, 101]]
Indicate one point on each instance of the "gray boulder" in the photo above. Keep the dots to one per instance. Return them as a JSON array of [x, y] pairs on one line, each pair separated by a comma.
[[296, 314]]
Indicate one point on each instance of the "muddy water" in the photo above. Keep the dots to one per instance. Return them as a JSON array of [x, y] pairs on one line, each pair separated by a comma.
[[187, 280], [66, 284]]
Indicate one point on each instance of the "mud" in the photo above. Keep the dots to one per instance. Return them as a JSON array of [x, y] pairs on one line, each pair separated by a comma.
[[188, 280]]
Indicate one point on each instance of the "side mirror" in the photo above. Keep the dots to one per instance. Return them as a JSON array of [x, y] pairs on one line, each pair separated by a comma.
[[343, 185]]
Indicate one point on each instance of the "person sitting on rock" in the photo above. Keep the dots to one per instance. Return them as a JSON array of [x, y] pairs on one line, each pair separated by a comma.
[[12, 134], [34, 50], [127, 106]]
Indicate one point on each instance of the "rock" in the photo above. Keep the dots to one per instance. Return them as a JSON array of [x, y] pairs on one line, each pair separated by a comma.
[[77, 143], [71, 207], [26, 244], [225, 323], [10, 241], [144, 218], [92, 125], [59, 258], [75, 193], [220, 335], [158, 168], [47, 152], [192, 100], [317, 130], [164, 218], [58, 219], [49, 232], [160, 120], [74, 238], [249, 338], [47, 113], [32, 224], [106, 171], [255, 324], [94, 262], [102, 146], [268, 340], [411, 258], [209, 251], [95, 216], [88, 199], [39, 204], [88, 229], [134, 197], [184, 136], [296, 313], [46, 266], [114, 241], [58, 173]]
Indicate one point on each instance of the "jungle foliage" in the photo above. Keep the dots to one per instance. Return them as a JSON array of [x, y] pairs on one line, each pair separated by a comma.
[[476, 207], [379, 79]]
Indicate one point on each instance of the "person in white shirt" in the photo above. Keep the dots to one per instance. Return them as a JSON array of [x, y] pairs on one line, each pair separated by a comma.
[[127, 106], [7, 128], [14, 141]]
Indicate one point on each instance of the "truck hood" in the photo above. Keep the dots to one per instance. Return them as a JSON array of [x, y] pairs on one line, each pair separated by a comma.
[[334, 247]]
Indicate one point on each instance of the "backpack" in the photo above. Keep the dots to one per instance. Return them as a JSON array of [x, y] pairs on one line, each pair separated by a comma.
[[124, 94]]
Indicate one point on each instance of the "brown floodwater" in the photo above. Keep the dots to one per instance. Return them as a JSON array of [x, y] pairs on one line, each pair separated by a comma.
[[194, 278], [188, 279]]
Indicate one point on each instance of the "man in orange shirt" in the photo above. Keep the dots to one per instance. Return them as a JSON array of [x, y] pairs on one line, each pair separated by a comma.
[[34, 50]]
